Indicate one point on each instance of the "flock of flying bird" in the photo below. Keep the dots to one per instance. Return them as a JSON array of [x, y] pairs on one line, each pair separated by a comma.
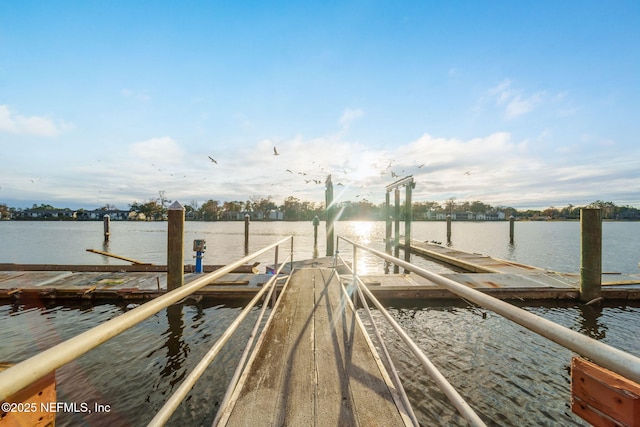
[[318, 181]]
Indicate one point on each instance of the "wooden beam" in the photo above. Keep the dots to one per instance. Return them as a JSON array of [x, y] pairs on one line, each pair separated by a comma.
[[151, 268], [602, 397], [27, 404], [132, 261]]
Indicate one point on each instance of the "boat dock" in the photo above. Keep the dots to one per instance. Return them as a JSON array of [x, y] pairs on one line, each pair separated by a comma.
[[314, 364], [499, 278]]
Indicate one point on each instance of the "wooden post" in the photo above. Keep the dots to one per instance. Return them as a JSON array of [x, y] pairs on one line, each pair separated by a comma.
[[449, 228], [512, 220], [387, 235], [329, 210], [590, 253], [106, 223], [396, 237], [407, 224], [316, 223], [246, 233], [175, 246]]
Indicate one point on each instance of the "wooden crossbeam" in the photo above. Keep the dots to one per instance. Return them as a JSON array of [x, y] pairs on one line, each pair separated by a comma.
[[602, 397]]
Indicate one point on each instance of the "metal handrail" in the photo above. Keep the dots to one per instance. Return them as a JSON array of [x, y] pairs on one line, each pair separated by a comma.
[[604, 355], [170, 406], [246, 352], [26, 372], [393, 372], [454, 397]]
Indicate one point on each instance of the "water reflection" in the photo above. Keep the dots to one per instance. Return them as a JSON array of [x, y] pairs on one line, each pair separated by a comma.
[[177, 350], [590, 321], [105, 248]]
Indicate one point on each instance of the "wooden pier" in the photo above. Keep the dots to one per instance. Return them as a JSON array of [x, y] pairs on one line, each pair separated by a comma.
[[499, 278], [314, 364]]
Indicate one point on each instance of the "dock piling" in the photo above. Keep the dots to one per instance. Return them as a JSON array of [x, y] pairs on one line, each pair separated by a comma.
[[407, 223], [387, 235], [512, 220], [175, 246], [590, 253], [316, 223], [448, 228], [247, 218], [396, 229], [329, 211], [106, 222]]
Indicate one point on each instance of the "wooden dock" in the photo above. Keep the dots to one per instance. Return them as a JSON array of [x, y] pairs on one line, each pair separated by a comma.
[[499, 278], [470, 262], [314, 364]]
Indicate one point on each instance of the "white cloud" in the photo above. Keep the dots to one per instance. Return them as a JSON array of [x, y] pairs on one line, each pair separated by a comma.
[[514, 101], [518, 105], [158, 150], [349, 115], [30, 125]]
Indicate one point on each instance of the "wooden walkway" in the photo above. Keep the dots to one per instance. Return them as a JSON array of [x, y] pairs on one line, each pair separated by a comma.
[[499, 278], [314, 365], [471, 262]]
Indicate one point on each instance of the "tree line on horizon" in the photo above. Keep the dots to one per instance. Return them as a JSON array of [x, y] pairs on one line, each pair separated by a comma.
[[295, 209]]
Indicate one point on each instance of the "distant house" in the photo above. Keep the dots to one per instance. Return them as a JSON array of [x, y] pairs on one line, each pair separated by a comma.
[[46, 214], [98, 214], [276, 216], [466, 216], [495, 216], [463, 216]]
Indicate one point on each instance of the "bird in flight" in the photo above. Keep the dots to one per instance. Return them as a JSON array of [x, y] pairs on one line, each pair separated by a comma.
[[275, 152], [467, 173], [212, 159]]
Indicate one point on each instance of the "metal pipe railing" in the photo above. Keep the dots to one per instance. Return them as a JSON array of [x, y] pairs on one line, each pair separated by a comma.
[[245, 354], [606, 356], [26, 372], [170, 406], [393, 372], [454, 397]]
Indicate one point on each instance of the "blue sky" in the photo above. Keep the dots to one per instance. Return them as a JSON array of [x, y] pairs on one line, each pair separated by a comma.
[[523, 104]]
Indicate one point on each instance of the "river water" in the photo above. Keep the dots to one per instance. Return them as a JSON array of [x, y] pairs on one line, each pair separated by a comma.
[[509, 376]]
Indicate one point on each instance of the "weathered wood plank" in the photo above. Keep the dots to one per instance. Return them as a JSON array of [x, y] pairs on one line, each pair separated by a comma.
[[602, 397], [313, 365], [334, 403], [116, 268]]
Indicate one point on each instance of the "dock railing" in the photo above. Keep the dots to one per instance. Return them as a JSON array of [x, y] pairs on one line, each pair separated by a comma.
[[604, 355], [28, 371]]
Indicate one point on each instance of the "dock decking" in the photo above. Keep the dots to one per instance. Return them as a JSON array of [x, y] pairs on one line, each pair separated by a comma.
[[314, 364], [500, 278]]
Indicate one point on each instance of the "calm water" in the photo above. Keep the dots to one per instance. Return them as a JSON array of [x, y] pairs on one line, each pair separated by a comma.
[[509, 375]]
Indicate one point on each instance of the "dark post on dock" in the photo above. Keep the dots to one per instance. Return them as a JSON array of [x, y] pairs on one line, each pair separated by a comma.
[[106, 221], [396, 228], [388, 224], [316, 223], [448, 228], [175, 246], [590, 253], [329, 210], [512, 220], [247, 218]]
